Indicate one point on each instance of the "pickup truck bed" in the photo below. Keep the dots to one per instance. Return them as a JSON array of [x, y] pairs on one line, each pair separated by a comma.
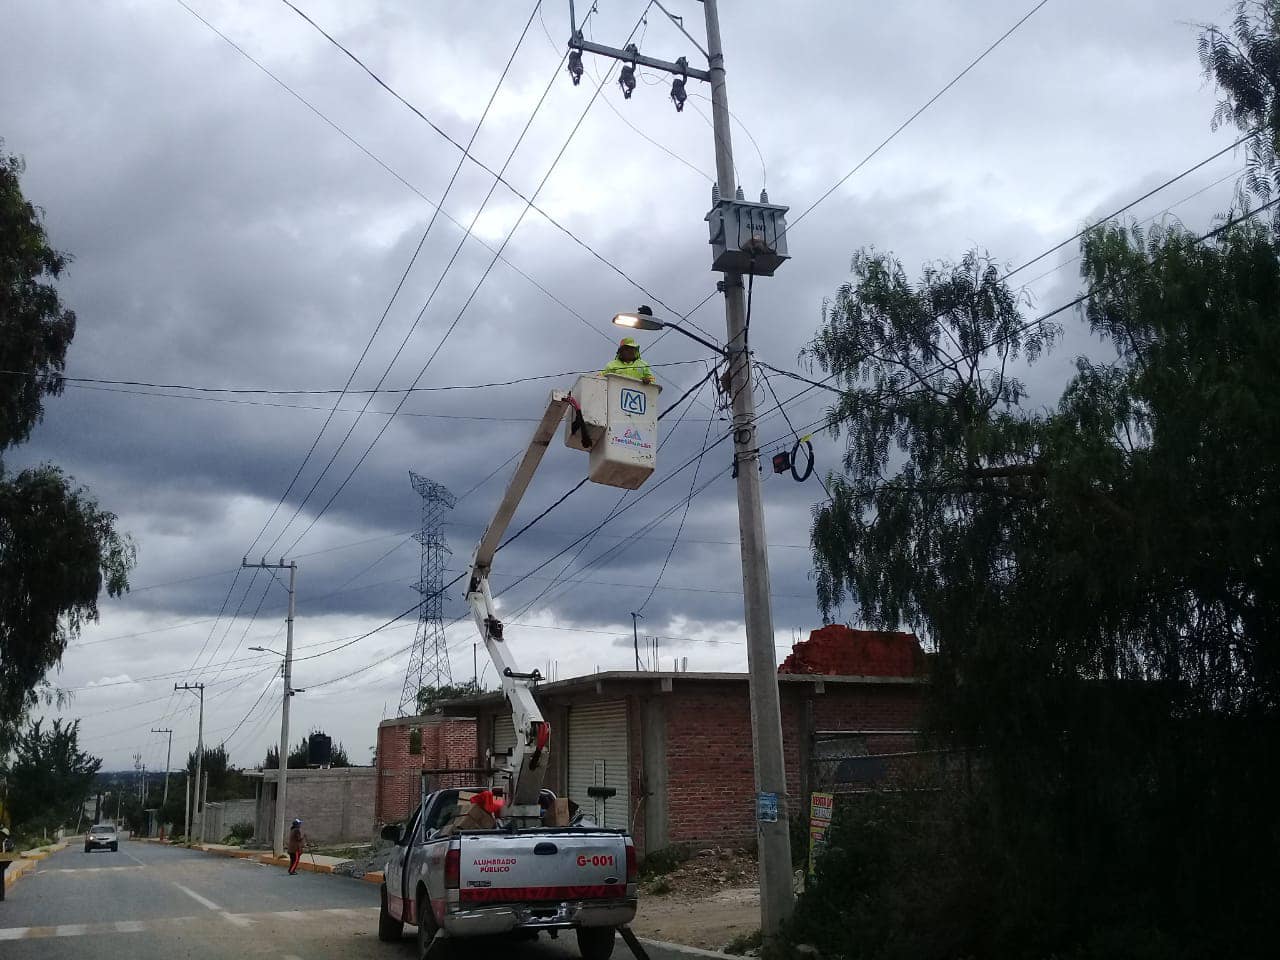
[[491, 882]]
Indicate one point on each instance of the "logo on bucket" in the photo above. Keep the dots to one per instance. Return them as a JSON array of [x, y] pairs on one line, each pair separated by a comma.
[[632, 401]]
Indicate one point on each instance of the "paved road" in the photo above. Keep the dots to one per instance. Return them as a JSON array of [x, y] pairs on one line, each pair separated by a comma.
[[160, 903]]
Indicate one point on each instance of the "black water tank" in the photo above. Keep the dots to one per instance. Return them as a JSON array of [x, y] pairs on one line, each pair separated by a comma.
[[319, 750]]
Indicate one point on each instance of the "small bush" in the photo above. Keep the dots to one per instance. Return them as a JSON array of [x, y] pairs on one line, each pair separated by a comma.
[[661, 887], [744, 943], [240, 832]]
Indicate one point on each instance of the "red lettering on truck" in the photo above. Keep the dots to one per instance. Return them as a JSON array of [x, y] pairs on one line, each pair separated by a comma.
[[602, 860]]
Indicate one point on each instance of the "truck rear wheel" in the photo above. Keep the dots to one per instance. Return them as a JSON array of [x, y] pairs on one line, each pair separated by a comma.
[[389, 928], [427, 932], [595, 943]]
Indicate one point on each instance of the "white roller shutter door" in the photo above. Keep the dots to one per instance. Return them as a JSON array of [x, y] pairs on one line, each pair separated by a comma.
[[598, 757]]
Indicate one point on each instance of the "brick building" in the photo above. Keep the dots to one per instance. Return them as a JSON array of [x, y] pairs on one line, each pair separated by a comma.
[[676, 747], [409, 745]]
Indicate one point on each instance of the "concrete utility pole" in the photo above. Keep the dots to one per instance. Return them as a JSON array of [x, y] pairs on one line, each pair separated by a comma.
[[186, 810], [292, 567], [168, 756], [776, 897], [197, 811], [635, 637]]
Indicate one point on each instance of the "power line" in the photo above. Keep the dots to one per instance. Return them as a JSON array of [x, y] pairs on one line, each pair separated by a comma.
[[529, 202], [375, 158], [250, 710], [330, 391], [1128, 206], [679, 529], [911, 119], [470, 298], [404, 276]]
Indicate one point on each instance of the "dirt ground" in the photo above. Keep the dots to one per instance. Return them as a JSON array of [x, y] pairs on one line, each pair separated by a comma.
[[705, 902]]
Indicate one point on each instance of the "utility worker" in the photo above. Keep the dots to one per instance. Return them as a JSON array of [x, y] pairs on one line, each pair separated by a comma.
[[627, 362], [296, 841]]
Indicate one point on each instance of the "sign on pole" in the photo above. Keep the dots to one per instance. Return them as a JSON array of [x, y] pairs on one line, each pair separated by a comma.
[[821, 808]]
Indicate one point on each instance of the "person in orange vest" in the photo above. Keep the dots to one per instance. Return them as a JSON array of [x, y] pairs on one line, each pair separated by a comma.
[[297, 840]]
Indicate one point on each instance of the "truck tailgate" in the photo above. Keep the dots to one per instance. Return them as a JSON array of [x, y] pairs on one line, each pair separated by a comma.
[[542, 866]]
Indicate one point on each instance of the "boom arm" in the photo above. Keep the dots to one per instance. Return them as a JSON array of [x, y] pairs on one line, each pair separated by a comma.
[[533, 734]]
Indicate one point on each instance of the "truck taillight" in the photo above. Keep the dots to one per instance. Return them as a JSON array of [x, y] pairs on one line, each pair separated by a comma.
[[633, 869], [453, 869]]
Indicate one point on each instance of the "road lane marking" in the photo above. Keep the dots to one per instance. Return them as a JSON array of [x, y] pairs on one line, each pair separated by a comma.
[[175, 923], [203, 901], [62, 870], [135, 859]]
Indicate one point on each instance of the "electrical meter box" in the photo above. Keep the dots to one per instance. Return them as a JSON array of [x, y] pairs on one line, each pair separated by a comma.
[[620, 422], [747, 236]]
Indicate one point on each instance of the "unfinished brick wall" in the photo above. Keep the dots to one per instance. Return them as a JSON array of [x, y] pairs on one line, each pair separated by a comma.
[[445, 743], [711, 778]]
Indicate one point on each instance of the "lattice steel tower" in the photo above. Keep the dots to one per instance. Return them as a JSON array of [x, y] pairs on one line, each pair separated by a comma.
[[429, 660]]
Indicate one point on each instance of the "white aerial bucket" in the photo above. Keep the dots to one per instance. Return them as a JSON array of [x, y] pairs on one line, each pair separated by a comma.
[[619, 428]]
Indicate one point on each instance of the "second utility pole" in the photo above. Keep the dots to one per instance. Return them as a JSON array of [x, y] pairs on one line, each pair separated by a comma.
[[167, 757], [292, 567], [196, 688]]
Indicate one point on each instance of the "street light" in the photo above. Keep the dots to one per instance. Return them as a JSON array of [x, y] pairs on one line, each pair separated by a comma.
[[643, 319]]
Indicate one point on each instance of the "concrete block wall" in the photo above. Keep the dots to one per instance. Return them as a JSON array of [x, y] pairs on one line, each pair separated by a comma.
[[445, 743], [336, 805], [219, 818]]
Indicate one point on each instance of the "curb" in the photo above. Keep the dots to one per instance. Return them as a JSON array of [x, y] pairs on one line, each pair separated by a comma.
[[681, 948], [26, 862], [235, 853], [16, 870], [303, 865], [374, 876]]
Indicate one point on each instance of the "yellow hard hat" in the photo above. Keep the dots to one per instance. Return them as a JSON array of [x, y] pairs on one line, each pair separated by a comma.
[[629, 342]]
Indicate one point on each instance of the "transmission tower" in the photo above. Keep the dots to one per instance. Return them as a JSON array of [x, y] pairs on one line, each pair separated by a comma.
[[429, 660]]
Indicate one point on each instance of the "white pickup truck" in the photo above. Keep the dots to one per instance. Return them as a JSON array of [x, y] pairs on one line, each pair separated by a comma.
[[472, 883]]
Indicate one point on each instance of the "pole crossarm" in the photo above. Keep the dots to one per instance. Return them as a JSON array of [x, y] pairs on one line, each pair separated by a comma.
[[630, 56]]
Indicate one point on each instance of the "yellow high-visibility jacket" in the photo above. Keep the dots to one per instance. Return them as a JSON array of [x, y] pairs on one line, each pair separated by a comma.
[[639, 370]]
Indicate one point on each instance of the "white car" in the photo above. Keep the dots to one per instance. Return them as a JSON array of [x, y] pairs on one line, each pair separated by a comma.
[[102, 835]]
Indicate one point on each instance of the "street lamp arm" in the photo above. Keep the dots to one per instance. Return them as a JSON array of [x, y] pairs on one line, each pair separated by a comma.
[[693, 336]]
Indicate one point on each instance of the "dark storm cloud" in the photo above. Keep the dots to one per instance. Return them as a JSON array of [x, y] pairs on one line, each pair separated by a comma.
[[225, 236]]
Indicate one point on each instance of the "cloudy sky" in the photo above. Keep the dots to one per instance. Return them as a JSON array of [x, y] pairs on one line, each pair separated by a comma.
[[245, 226]]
